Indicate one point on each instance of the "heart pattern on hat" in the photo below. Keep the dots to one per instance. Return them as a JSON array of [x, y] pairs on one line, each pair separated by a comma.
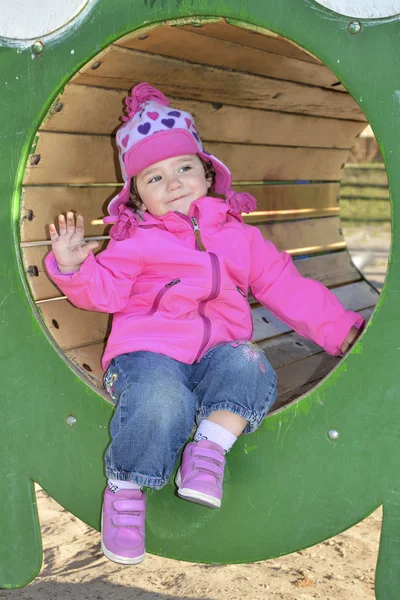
[[168, 123], [153, 115], [174, 113], [144, 129], [125, 141]]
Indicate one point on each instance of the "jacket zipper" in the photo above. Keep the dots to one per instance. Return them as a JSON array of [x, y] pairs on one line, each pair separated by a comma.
[[197, 235], [215, 290], [215, 283], [160, 294], [241, 292]]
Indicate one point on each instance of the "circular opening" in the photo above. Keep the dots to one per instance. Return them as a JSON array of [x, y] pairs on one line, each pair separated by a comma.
[[286, 143]]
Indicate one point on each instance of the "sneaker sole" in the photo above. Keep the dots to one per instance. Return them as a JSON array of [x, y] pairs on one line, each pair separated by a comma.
[[122, 560], [195, 496]]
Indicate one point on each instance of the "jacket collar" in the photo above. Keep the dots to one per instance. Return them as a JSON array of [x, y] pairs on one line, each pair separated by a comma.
[[209, 212]]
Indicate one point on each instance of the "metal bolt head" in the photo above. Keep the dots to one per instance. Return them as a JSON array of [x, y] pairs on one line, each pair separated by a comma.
[[333, 435], [37, 47], [96, 65], [71, 421], [354, 27]]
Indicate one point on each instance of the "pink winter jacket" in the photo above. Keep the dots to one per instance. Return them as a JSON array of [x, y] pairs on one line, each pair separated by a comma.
[[169, 296]]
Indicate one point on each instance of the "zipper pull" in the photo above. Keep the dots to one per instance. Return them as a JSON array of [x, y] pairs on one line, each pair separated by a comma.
[[197, 234], [241, 292], [171, 283]]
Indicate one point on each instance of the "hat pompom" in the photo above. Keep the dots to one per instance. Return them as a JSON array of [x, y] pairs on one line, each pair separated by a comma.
[[143, 92], [240, 202], [125, 223]]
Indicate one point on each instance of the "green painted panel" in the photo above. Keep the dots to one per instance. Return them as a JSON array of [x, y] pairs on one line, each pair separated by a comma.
[[287, 486]]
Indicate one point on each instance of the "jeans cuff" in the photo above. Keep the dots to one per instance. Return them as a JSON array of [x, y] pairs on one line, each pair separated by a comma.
[[254, 419], [156, 483]]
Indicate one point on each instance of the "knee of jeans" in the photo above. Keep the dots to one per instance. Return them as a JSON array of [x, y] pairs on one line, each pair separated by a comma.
[[168, 410], [251, 357]]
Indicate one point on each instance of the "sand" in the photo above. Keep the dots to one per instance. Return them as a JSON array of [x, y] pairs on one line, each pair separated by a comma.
[[74, 568]]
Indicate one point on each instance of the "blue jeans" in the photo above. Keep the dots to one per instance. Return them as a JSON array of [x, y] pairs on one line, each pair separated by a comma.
[[158, 399]]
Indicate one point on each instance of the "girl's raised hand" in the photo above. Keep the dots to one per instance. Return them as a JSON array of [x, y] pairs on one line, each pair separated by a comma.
[[69, 247]]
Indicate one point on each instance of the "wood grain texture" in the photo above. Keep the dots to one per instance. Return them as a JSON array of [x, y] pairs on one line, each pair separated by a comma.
[[93, 159], [214, 121], [123, 68]]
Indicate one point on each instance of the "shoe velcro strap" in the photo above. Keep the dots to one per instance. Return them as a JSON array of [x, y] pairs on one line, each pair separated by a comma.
[[129, 505], [212, 455], [208, 465], [128, 520]]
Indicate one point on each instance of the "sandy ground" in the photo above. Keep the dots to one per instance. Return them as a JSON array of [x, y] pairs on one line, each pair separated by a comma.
[[74, 568], [341, 568]]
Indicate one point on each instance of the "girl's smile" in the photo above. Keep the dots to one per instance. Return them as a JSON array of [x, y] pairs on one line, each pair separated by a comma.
[[172, 185]]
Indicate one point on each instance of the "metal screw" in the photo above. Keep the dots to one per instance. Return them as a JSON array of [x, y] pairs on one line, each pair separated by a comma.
[[37, 47], [71, 421], [33, 271], [143, 37], [354, 27], [58, 107], [96, 65], [35, 159], [333, 435]]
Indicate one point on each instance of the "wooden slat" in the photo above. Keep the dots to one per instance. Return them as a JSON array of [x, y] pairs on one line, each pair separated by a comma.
[[288, 202], [255, 38], [42, 205], [88, 359], [292, 347], [310, 236], [71, 326], [92, 159], [122, 68], [216, 122], [330, 269], [191, 46]]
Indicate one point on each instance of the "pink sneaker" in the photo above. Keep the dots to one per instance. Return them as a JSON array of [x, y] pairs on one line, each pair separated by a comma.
[[200, 476], [122, 526]]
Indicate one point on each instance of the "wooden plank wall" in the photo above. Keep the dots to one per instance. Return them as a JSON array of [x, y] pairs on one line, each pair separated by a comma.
[[273, 113]]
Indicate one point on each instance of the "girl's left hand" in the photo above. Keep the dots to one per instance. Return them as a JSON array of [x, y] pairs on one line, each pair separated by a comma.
[[350, 339]]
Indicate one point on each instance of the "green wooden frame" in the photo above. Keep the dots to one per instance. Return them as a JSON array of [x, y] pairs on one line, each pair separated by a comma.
[[288, 486]]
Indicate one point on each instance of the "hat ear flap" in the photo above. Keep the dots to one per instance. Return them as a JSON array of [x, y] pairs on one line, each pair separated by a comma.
[[240, 202]]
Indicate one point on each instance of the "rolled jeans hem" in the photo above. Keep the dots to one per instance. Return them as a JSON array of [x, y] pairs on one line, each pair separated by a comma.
[[254, 419], [156, 483]]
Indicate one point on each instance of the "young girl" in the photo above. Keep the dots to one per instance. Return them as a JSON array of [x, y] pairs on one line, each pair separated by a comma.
[[175, 275]]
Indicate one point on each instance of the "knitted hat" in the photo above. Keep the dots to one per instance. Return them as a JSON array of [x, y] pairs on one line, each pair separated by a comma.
[[153, 131]]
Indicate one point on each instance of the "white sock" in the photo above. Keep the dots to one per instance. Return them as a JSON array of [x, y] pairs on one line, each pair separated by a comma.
[[115, 485], [207, 430]]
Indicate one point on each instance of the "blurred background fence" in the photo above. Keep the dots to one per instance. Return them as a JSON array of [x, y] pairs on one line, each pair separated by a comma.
[[364, 191]]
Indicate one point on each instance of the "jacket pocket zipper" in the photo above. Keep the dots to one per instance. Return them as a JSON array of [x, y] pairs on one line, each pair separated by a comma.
[[160, 294]]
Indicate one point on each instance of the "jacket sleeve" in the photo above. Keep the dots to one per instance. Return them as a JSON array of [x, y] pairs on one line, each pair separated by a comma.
[[306, 305], [103, 283]]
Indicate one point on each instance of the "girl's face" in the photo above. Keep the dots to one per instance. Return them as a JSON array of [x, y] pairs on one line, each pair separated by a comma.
[[172, 185]]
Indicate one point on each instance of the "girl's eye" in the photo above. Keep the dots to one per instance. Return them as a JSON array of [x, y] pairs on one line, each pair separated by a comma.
[[155, 179], [185, 168]]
